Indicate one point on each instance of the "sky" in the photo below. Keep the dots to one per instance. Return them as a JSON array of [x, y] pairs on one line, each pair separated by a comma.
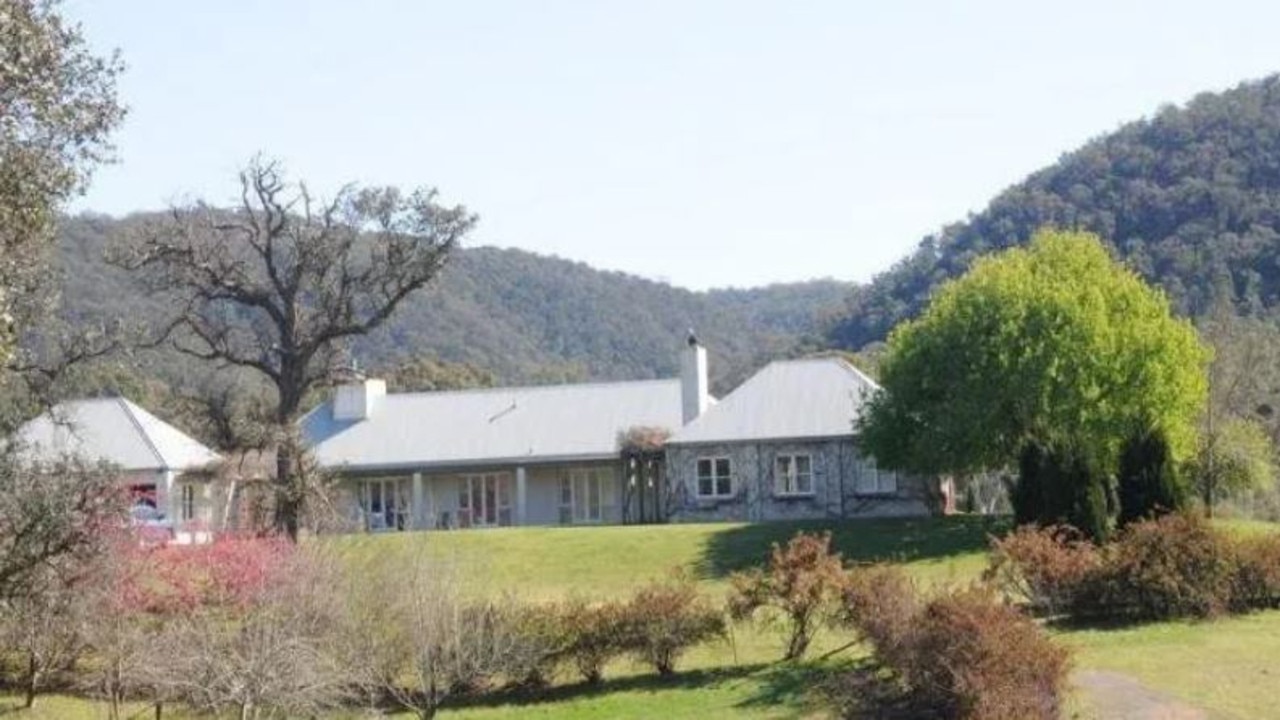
[[705, 143]]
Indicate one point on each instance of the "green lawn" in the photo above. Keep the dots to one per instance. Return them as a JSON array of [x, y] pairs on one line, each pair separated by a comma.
[[1228, 666]]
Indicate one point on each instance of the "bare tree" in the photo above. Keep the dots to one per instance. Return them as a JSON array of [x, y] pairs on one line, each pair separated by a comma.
[[54, 516], [274, 656], [415, 637], [45, 632], [279, 283]]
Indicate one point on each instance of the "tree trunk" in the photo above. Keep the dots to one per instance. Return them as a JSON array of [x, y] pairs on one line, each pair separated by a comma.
[[288, 506], [33, 681]]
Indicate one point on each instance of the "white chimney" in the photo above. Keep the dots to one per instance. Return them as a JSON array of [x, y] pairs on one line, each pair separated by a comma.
[[693, 380], [358, 400]]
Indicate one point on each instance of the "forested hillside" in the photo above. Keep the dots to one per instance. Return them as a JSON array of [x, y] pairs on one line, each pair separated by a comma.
[[523, 317], [1190, 198]]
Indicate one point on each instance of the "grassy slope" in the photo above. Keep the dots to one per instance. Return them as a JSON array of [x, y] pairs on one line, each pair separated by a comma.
[[738, 679], [1227, 666]]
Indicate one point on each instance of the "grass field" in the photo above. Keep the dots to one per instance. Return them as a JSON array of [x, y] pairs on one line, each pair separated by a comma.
[[1229, 666]]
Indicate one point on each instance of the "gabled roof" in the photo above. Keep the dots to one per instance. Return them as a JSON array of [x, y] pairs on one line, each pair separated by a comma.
[[492, 426], [114, 430], [790, 399]]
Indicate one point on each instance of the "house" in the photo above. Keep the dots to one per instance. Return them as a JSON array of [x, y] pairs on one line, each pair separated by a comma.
[[780, 446], [165, 470]]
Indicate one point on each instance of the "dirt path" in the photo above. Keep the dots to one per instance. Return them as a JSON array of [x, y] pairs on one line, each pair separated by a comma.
[[1115, 696]]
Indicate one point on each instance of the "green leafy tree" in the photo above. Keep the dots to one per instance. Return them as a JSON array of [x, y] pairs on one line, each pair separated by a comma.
[[57, 108], [1054, 342], [1235, 458]]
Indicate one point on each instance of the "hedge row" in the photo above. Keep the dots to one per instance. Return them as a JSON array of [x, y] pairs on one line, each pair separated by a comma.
[[1171, 567]]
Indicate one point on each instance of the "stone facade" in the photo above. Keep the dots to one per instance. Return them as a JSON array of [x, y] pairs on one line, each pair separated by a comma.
[[843, 483]]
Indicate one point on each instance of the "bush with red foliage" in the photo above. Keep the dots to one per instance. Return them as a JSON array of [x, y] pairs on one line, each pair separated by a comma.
[[1044, 568], [882, 602], [977, 657], [1256, 583], [665, 619], [229, 573], [1170, 567], [801, 583], [963, 654], [1174, 566]]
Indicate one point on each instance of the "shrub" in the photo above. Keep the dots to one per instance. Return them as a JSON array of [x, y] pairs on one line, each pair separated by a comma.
[[962, 654], [538, 640], [882, 603], [801, 582], [594, 634], [664, 619], [1256, 581], [975, 657], [1148, 482], [1174, 566], [1045, 568], [1062, 484]]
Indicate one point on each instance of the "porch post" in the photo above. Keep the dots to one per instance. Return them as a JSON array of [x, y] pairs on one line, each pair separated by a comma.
[[165, 501], [419, 503], [521, 494]]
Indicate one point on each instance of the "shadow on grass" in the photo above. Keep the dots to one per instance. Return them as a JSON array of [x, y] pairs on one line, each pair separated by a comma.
[[869, 540], [690, 680], [805, 687]]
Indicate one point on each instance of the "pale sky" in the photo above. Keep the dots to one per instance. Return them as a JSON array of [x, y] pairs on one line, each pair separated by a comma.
[[708, 144]]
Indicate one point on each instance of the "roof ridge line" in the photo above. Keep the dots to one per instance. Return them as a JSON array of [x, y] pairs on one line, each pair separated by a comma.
[[128, 411], [534, 388]]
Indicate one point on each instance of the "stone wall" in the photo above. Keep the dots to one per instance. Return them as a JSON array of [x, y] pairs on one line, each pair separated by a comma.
[[837, 467]]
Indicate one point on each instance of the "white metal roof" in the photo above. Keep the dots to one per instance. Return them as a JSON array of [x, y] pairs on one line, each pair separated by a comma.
[[789, 399], [114, 430], [492, 426]]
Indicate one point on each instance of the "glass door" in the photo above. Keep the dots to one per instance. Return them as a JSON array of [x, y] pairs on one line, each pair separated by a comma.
[[586, 496], [484, 500], [386, 504]]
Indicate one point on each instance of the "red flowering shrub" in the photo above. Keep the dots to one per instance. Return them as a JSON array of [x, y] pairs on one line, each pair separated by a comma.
[[228, 573]]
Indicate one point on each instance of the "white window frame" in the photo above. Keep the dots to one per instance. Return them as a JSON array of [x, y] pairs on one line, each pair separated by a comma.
[[578, 504], [874, 481], [715, 476], [787, 476], [188, 509]]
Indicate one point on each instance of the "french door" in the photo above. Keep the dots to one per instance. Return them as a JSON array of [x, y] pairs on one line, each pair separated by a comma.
[[386, 503], [586, 496], [484, 500]]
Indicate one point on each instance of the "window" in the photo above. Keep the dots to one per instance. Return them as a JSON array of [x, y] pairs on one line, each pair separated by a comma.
[[586, 496], [874, 481], [714, 477], [188, 502], [793, 475]]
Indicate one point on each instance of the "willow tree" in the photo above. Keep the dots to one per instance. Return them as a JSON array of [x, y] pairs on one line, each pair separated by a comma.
[[278, 284], [1054, 342]]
